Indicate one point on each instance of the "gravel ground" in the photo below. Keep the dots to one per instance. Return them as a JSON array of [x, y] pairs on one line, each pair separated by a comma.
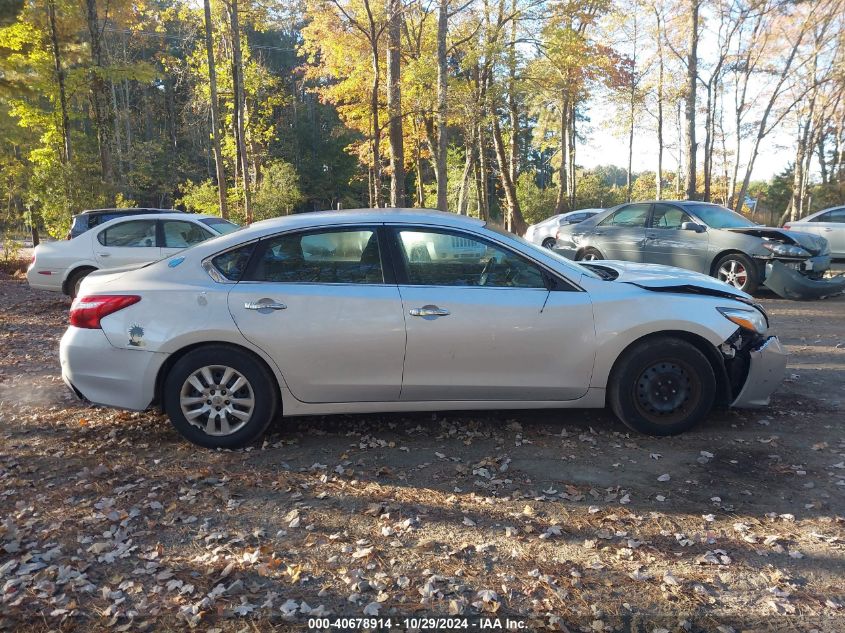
[[562, 519]]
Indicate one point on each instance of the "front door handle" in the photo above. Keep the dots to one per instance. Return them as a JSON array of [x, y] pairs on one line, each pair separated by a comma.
[[428, 311], [103, 254], [265, 304]]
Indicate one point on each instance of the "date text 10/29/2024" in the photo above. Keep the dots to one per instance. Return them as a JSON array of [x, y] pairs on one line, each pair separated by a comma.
[[419, 624]]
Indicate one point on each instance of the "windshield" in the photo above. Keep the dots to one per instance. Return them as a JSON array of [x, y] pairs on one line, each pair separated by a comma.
[[220, 225], [717, 217], [574, 266]]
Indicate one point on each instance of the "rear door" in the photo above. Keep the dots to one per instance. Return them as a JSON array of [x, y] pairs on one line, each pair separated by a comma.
[[127, 243], [666, 243], [482, 323], [621, 234], [321, 303], [831, 226]]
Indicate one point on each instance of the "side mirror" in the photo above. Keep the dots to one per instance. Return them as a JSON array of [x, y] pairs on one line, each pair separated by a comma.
[[693, 226]]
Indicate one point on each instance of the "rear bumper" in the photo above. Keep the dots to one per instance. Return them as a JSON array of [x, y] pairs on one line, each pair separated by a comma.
[[39, 280], [103, 374], [765, 374]]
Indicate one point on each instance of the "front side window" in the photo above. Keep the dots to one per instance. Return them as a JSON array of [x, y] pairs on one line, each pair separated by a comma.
[[181, 234], [328, 257], [434, 258], [134, 233], [667, 216], [630, 216]]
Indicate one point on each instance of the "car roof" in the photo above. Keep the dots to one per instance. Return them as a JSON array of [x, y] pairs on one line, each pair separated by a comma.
[[156, 216], [355, 216], [135, 210]]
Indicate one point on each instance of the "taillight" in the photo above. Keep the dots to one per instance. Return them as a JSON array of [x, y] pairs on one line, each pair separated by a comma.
[[32, 259], [787, 226], [86, 312]]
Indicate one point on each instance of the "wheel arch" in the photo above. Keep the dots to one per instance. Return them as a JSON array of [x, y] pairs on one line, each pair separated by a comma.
[[72, 271], [713, 356], [174, 357]]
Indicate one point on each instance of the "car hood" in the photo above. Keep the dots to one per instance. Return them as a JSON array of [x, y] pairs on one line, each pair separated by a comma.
[[667, 279], [814, 244]]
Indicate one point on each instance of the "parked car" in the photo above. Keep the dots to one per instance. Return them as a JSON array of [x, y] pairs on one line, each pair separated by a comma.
[[829, 224], [699, 236], [127, 240], [544, 233], [323, 313], [95, 217]]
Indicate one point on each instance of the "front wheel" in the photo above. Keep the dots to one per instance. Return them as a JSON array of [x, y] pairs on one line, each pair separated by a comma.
[[661, 386], [220, 397], [739, 271], [589, 254]]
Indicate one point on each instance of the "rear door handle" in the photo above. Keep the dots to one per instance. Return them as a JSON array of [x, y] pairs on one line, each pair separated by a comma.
[[428, 311], [265, 304], [103, 254]]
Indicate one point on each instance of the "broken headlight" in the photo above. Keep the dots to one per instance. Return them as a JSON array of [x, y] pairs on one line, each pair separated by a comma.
[[748, 319], [785, 250]]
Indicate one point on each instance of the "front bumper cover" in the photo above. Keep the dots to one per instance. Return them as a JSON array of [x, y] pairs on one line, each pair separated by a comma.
[[791, 284], [766, 370]]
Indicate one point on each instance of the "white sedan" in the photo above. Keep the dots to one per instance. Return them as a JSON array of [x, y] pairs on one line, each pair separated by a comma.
[[126, 241], [545, 233], [324, 313], [829, 224]]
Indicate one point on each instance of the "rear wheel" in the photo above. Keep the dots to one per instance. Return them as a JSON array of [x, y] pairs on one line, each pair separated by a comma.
[[589, 254], [739, 271], [662, 386], [549, 242], [220, 397], [75, 281]]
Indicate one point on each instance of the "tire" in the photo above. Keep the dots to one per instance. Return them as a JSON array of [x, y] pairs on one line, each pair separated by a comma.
[[220, 422], [549, 243], [644, 384], [75, 280], [739, 271], [589, 254]]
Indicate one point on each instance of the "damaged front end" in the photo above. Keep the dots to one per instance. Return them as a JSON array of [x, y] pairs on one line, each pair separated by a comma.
[[789, 283], [793, 264], [754, 367]]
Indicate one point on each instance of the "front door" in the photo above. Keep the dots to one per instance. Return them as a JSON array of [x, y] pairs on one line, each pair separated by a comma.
[[127, 243], [483, 325], [666, 243], [621, 234], [318, 303]]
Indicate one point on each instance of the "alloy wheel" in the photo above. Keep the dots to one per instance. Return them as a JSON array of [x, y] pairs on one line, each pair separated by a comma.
[[733, 272], [217, 399]]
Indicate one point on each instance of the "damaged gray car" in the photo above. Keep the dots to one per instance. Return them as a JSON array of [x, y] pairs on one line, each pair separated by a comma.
[[706, 238]]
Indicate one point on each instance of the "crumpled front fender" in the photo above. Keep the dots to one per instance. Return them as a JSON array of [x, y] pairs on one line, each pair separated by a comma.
[[790, 284]]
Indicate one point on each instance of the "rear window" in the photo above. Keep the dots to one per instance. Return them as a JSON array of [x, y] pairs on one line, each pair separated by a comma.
[[220, 225], [232, 264]]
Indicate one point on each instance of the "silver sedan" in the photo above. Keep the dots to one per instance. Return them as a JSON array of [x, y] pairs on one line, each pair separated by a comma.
[[366, 311]]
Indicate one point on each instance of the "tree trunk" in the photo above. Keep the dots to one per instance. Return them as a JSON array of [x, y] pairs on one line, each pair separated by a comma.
[[628, 181], [516, 222], [60, 81], [442, 107], [469, 163], [513, 111], [99, 94], [571, 151], [560, 206], [240, 107], [659, 175], [215, 115], [689, 112], [374, 114], [708, 154], [394, 105]]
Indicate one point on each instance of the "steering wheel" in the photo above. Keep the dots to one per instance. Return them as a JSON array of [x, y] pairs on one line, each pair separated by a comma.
[[485, 272]]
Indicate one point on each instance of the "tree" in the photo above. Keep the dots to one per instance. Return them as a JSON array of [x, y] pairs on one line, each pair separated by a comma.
[[215, 116], [394, 105]]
